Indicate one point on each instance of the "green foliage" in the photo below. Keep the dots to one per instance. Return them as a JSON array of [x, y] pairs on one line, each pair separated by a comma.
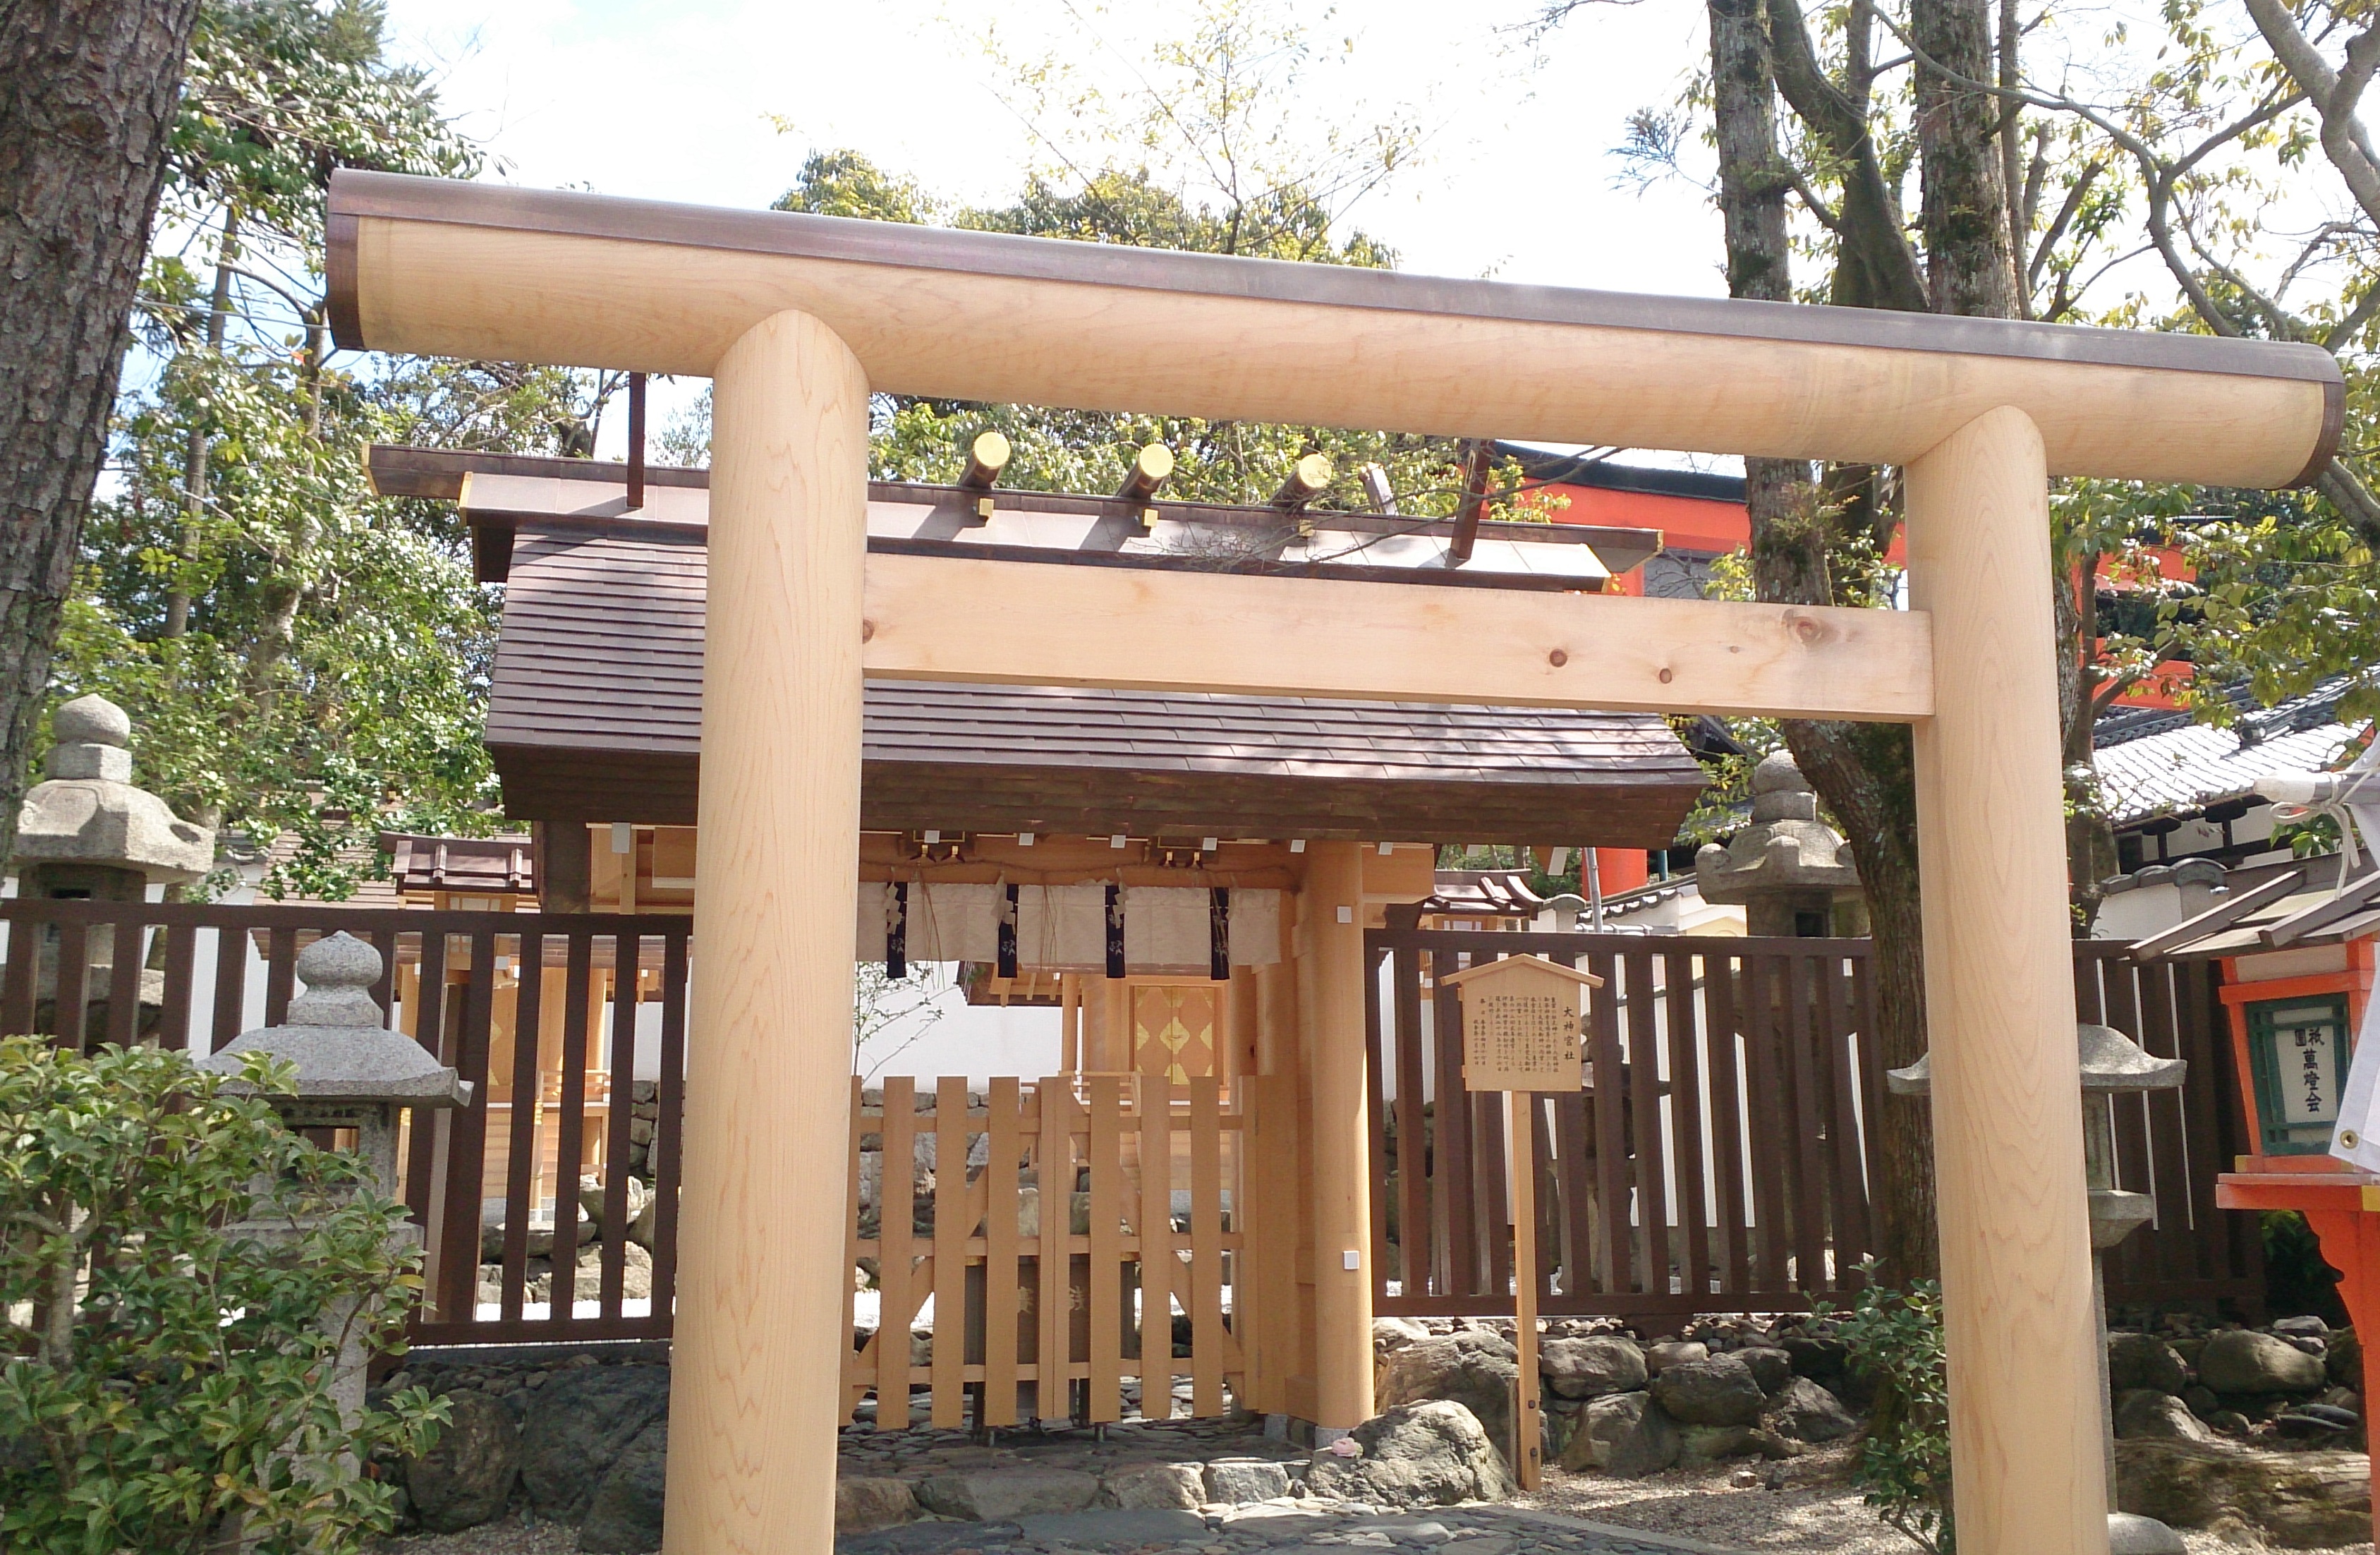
[[1061, 450], [299, 656], [1214, 147], [329, 675], [278, 92], [1904, 1469], [167, 1251], [2288, 595]]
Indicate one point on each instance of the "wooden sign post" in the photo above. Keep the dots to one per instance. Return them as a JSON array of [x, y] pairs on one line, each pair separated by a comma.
[[1521, 1035]]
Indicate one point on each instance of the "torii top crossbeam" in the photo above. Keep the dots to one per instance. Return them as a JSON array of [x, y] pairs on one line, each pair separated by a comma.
[[798, 319], [473, 269]]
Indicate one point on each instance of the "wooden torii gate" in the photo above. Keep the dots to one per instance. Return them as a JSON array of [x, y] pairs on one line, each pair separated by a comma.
[[797, 319]]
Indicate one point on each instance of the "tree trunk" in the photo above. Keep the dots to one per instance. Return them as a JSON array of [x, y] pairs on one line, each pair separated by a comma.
[[1862, 770], [1965, 201], [194, 465], [88, 90]]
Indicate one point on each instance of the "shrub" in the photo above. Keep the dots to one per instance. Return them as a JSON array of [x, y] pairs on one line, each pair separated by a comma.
[[1903, 1468], [168, 1252]]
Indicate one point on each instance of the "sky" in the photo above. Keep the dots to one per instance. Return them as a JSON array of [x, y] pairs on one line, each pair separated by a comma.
[[717, 102]]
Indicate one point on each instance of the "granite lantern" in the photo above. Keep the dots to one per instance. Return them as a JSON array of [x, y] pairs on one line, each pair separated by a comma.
[[2111, 1064], [86, 832], [353, 1073], [1789, 870]]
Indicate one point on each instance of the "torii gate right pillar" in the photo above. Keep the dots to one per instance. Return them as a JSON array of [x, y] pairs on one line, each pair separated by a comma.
[[1999, 997]]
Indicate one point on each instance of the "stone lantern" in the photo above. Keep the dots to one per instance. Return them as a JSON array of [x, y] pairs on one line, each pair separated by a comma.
[[86, 833], [1791, 871], [352, 1072], [2112, 1065]]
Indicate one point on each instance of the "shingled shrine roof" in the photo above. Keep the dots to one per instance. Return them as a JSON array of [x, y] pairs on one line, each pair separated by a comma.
[[596, 710]]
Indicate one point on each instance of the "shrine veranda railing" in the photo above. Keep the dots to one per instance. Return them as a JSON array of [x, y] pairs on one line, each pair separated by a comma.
[[1741, 1168]]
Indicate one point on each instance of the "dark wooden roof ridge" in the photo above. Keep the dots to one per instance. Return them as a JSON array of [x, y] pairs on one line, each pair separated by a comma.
[[399, 472], [357, 194], [424, 862], [493, 561]]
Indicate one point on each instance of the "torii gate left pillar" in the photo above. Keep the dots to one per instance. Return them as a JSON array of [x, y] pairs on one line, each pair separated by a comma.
[[756, 1393]]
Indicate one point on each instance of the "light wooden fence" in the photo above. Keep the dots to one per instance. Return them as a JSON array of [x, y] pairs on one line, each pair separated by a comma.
[[1084, 1195]]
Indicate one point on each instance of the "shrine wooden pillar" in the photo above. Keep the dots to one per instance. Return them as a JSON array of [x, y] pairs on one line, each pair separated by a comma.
[[1331, 989], [755, 1394], [2018, 1308]]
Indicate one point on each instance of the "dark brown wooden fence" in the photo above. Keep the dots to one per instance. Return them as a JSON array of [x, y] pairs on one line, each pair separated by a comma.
[[1718, 1158], [549, 1127], [1736, 1180]]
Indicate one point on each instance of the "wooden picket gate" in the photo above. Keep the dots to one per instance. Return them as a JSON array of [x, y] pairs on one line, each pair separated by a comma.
[[1069, 1208]]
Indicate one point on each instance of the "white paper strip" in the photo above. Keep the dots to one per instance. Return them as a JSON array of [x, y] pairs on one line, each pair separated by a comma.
[[1255, 928], [2351, 1138], [954, 923], [1062, 926], [875, 898], [1165, 928]]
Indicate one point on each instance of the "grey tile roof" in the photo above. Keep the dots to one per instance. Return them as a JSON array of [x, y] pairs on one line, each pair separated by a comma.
[[2153, 761]]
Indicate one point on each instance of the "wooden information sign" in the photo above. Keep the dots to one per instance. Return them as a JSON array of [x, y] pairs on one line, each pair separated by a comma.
[[1521, 1032]]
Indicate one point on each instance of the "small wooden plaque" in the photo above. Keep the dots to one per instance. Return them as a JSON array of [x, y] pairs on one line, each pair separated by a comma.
[[1521, 1024]]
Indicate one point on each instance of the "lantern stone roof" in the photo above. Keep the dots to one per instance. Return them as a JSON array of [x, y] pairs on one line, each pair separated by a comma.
[[1787, 847], [88, 812], [337, 1037]]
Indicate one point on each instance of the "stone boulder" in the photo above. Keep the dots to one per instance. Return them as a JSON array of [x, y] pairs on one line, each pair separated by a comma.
[[1392, 1334], [1434, 1453], [1625, 1434], [1589, 1368], [626, 1516], [2343, 1359], [635, 1274], [1663, 1354], [1153, 1486], [2152, 1414], [1238, 1481], [466, 1476], [2243, 1361], [2298, 1500], [2142, 1360], [999, 1495], [1771, 1366], [1803, 1412], [1720, 1391], [865, 1504], [1474, 1369], [578, 1425]]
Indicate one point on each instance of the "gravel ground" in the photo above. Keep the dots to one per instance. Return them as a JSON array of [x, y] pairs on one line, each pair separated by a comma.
[[508, 1537]]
